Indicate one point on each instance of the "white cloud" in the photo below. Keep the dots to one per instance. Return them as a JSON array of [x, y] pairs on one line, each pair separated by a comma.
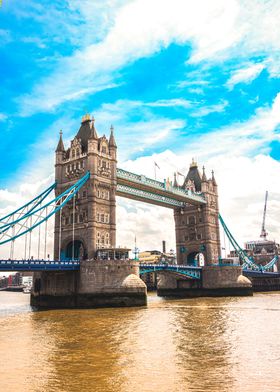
[[3, 117], [217, 30], [179, 102], [245, 75], [205, 110]]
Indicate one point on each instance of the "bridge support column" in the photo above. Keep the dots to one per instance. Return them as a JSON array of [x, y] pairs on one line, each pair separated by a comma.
[[99, 283]]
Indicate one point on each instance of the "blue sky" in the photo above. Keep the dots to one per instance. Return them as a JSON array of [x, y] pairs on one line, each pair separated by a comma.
[[176, 79]]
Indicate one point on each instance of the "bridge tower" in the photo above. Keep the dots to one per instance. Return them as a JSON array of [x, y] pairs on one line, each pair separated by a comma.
[[197, 228], [89, 222]]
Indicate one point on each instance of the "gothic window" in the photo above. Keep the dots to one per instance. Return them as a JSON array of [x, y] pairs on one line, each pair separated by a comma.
[[104, 149], [102, 218], [80, 218], [98, 217], [199, 236], [192, 237], [103, 164], [73, 153], [98, 193], [66, 221], [186, 238], [77, 152], [192, 220], [84, 194]]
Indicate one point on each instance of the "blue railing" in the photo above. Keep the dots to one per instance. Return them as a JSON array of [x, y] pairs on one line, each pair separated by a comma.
[[39, 265], [189, 271]]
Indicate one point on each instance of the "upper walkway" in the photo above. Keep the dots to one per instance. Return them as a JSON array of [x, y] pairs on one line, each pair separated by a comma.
[[141, 188]]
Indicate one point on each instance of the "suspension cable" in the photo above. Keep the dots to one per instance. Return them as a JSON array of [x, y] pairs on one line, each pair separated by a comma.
[[30, 235], [73, 228], [59, 238], [46, 233]]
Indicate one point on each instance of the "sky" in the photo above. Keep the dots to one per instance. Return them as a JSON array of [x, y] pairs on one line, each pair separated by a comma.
[[177, 79]]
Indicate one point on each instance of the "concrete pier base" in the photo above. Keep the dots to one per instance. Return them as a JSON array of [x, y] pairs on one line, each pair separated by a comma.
[[217, 281], [99, 283]]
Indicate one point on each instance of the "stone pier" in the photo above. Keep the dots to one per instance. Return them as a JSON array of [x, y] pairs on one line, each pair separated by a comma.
[[99, 283], [216, 281]]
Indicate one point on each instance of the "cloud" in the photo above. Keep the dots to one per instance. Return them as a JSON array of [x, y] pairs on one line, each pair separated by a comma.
[[245, 75], [242, 170], [249, 137], [204, 110], [3, 117], [216, 31]]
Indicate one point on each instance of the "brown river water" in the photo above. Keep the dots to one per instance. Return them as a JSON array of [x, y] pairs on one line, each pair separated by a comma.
[[205, 344]]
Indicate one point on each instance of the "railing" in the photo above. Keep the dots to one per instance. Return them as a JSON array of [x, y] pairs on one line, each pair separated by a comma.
[[191, 272], [141, 179], [39, 265]]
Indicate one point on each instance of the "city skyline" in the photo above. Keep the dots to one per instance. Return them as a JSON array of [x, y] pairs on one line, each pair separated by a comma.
[[176, 80]]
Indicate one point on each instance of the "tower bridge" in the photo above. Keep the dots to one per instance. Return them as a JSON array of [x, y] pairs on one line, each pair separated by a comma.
[[87, 181]]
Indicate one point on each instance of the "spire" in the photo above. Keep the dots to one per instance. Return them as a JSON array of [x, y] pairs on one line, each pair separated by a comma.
[[93, 133], [112, 142], [213, 178], [175, 183], [60, 146], [204, 178]]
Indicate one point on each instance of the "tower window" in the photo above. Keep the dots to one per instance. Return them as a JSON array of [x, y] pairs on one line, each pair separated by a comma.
[[104, 150]]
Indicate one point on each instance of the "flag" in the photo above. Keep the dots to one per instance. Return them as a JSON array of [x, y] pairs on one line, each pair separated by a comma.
[[180, 174], [156, 165]]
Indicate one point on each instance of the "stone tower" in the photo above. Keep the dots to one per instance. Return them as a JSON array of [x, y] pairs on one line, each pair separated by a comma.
[[88, 222], [197, 228]]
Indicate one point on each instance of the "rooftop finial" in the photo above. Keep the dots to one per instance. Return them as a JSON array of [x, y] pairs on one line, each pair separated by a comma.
[[86, 117], [194, 163]]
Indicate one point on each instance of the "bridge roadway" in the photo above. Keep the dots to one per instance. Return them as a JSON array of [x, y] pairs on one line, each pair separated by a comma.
[[74, 265], [141, 188], [68, 265]]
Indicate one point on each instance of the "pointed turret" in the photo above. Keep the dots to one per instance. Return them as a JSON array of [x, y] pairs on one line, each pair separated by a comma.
[[60, 145], [213, 178], [175, 183], [204, 178], [93, 133], [112, 142]]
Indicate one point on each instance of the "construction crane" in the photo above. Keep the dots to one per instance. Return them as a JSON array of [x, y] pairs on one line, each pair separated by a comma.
[[264, 232]]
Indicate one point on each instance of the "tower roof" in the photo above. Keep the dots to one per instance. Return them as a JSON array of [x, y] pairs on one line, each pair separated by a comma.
[[112, 142], [60, 145], [194, 175], [86, 132]]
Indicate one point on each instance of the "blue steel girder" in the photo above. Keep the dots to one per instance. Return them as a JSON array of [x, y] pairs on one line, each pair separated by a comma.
[[134, 182], [11, 231], [190, 272], [152, 198], [39, 265]]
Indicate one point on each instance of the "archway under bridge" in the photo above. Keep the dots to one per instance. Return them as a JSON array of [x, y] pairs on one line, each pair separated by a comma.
[[149, 223]]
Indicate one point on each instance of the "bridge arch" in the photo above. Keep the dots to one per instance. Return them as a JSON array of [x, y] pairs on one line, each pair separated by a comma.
[[80, 251], [195, 259]]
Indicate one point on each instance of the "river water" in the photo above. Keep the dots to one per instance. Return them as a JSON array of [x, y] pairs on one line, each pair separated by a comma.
[[205, 344]]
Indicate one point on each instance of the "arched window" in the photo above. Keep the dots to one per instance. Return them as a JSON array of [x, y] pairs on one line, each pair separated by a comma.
[[192, 220]]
